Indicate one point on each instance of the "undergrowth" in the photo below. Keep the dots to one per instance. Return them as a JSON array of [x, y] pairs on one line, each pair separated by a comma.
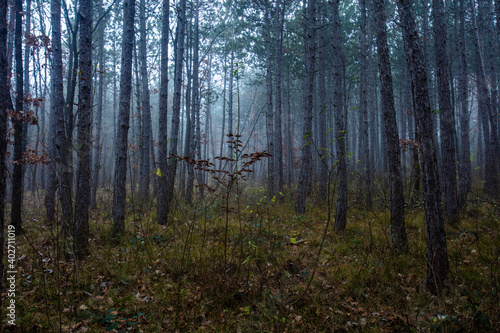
[[256, 275]]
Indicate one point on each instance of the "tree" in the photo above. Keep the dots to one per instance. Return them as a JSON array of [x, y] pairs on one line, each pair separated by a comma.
[[309, 42], [271, 184], [121, 147], [5, 105], [340, 130], [100, 105], [162, 210], [364, 145], [437, 257], [84, 130], [17, 123], [465, 171], [486, 113], [147, 131], [398, 230], [448, 151], [58, 173], [278, 148], [176, 107]]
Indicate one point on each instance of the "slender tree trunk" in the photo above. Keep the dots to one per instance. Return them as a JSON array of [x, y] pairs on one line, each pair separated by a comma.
[[485, 109], [121, 149], [322, 113], [363, 103], [278, 150], [26, 88], [223, 133], [176, 108], [5, 105], [98, 116], [300, 203], [147, 131], [271, 191], [437, 257], [448, 152], [340, 126], [162, 212], [370, 126], [465, 153], [398, 230], [17, 123], [84, 130]]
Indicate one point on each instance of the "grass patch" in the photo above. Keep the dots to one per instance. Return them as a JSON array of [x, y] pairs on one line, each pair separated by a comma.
[[256, 275]]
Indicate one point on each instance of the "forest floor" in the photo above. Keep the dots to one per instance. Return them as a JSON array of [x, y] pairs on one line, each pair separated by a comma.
[[254, 267]]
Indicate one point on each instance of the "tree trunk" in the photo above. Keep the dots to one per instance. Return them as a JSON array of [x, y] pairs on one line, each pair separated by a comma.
[[278, 149], [121, 149], [340, 126], [300, 203], [84, 130], [98, 116], [271, 191], [322, 114], [437, 257], [176, 108], [17, 124], [491, 180], [398, 230], [162, 212], [363, 103], [448, 152], [465, 162], [26, 84], [5, 105], [147, 131]]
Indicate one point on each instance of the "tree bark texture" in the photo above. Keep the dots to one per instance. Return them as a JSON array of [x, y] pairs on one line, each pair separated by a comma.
[[84, 131], [278, 138], [300, 203], [121, 148], [398, 230], [448, 150], [176, 107], [147, 131], [437, 257], [465, 171], [162, 212], [5, 105], [17, 123], [98, 115], [340, 123]]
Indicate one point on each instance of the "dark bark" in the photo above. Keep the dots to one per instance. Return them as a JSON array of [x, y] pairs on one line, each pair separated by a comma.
[[364, 146], [322, 114], [491, 181], [121, 149], [147, 131], [176, 107], [398, 230], [162, 213], [437, 257], [84, 131], [300, 203], [98, 115], [271, 190], [448, 150], [340, 124], [191, 135], [5, 104], [26, 86], [465, 171], [17, 124], [278, 149]]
